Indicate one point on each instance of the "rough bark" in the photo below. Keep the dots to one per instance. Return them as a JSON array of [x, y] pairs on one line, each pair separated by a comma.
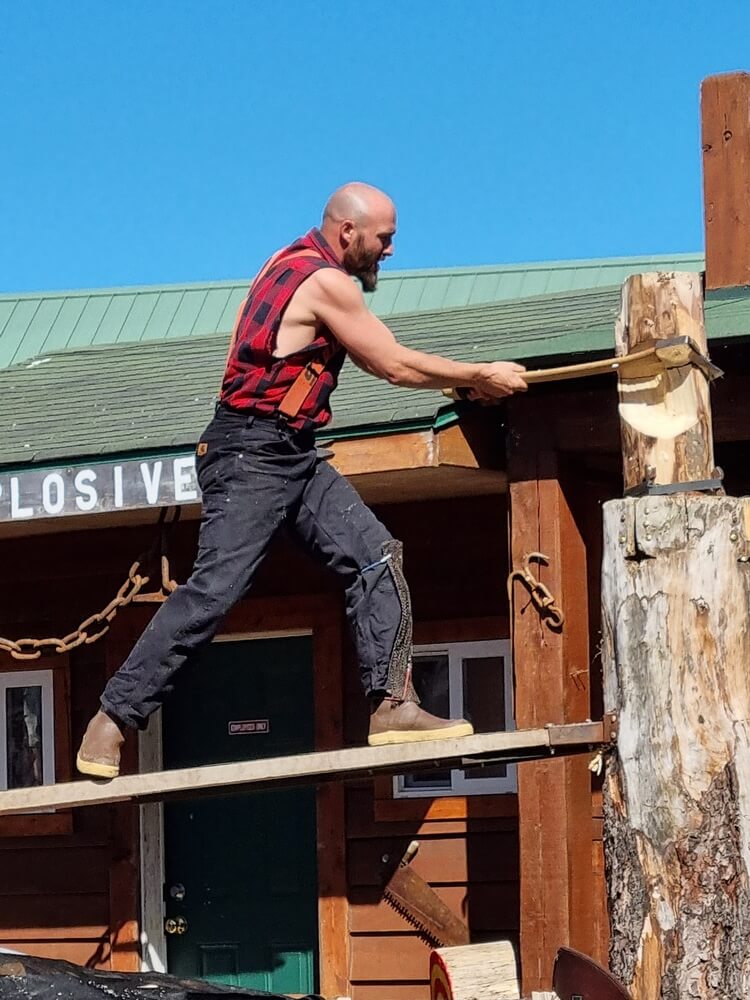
[[675, 656]]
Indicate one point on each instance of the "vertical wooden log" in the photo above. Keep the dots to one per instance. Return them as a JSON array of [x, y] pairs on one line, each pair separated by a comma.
[[725, 114], [675, 648], [665, 419], [675, 656], [552, 685]]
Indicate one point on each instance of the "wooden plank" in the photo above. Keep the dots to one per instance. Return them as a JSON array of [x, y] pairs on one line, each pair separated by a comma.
[[469, 629], [458, 445], [391, 991], [450, 807], [441, 483], [725, 118], [90, 835], [36, 825], [434, 828], [665, 421], [332, 765], [440, 861], [389, 958], [88, 953], [366, 828], [552, 682], [85, 870], [54, 916]]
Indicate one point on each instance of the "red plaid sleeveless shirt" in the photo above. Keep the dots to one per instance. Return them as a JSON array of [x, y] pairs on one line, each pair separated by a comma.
[[255, 381]]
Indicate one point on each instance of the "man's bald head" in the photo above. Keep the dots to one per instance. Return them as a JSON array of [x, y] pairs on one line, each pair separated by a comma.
[[359, 222], [356, 201]]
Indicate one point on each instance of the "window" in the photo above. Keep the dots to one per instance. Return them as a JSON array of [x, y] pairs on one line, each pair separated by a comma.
[[27, 732], [474, 680]]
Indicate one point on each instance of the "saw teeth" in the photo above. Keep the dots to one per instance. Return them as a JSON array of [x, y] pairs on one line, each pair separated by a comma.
[[411, 919]]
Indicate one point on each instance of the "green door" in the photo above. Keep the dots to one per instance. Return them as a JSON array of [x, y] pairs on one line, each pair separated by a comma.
[[241, 870]]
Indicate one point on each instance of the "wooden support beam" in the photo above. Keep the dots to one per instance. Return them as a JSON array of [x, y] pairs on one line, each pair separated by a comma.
[[665, 418], [725, 115], [311, 768], [552, 683]]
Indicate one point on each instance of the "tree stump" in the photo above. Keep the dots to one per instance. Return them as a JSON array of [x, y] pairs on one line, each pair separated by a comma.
[[676, 663]]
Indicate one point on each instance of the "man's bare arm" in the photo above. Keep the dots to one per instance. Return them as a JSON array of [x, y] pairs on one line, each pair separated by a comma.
[[338, 302]]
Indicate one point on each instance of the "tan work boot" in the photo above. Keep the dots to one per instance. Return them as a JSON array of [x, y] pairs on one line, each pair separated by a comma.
[[393, 720], [99, 753]]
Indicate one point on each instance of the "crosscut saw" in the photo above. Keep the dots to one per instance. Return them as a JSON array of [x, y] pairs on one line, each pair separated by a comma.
[[420, 905]]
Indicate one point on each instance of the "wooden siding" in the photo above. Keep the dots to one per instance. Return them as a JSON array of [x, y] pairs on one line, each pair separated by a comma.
[[76, 897], [455, 559]]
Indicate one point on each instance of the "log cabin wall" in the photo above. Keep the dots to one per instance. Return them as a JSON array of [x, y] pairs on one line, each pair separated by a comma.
[[73, 894], [69, 883]]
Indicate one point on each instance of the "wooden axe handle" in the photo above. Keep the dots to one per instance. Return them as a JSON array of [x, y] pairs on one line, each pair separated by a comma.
[[658, 356], [586, 368]]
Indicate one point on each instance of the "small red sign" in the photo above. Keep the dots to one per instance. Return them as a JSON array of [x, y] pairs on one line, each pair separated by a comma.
[[249, 726]]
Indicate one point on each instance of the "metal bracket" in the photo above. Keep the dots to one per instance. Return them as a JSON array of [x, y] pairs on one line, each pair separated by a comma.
[[648, 488], [609, 724]]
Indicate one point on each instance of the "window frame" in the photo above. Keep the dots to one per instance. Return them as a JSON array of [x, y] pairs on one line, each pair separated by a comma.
[[47, 822], [456, 652], [44, 679]]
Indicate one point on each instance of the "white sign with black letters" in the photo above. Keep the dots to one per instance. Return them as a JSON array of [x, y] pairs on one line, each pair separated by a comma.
[[97, 488]]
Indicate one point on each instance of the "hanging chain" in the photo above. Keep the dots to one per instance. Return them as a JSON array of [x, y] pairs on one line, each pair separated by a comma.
[[131, 591], [541, 597]]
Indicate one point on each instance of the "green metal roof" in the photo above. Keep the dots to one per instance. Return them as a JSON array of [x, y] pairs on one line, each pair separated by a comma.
[[33, 324], [154, 396], [150, 396]]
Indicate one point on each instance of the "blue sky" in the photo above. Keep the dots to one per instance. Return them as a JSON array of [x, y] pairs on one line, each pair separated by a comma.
[[155, 141]]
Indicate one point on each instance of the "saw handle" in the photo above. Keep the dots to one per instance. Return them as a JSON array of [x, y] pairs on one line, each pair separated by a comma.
[[410, 852]]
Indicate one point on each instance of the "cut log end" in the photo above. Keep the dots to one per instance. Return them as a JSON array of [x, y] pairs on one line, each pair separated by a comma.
[[475, 972]]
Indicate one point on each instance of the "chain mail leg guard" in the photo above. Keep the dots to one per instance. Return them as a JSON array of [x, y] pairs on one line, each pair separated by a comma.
[[399, 667]]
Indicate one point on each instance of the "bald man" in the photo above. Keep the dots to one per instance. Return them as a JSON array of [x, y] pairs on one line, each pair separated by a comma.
[[259, 470]]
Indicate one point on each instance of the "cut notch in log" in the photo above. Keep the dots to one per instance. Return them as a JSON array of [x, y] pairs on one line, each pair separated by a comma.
[[665, 418]]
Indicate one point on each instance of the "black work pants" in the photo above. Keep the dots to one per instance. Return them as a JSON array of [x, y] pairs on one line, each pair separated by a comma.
[[255, 476]]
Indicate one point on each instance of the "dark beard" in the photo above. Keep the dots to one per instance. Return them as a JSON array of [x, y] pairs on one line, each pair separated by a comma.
[[362, 265]]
